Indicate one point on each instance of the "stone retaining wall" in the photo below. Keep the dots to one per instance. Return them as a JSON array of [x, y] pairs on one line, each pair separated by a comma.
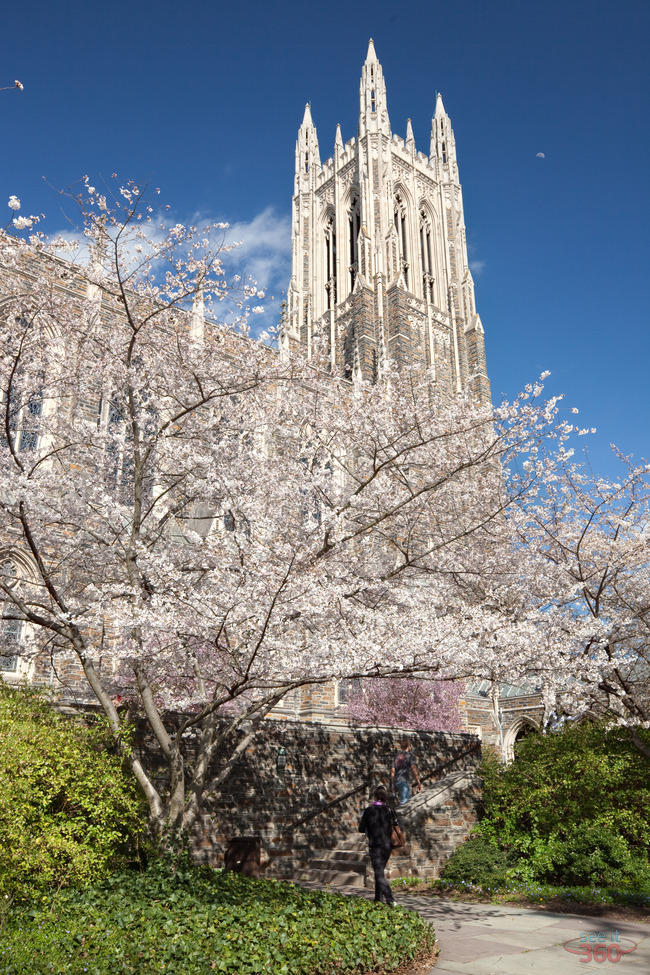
[[266, 797]]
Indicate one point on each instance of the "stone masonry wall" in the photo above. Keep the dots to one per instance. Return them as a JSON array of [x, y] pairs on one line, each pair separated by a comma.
[[322, 763]]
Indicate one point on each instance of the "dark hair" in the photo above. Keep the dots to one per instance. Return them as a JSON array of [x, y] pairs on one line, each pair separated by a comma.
[[405, 744], [380, 794]]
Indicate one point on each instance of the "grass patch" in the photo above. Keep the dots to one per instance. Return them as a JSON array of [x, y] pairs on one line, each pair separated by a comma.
[[528, 893], [199, 921]]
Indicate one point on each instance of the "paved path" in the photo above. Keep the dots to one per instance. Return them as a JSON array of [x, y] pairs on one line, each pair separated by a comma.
[[496, 939], [490, 939]]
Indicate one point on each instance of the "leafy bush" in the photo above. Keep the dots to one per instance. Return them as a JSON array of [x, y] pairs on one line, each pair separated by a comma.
[[67, 808], [196, 921], [573, 808], [477, 861]]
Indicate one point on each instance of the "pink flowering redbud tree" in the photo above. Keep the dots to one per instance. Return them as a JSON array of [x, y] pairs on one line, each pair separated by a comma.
[[405, 702], [196, 525]]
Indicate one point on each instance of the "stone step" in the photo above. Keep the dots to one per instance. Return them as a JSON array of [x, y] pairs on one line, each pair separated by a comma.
[[349, 856], [333, 878], [357, 842], [356, 865]]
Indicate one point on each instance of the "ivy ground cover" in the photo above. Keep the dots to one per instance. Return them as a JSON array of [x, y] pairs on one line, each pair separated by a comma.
[[198, 921]]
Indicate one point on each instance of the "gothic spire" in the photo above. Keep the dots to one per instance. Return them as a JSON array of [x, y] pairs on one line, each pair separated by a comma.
[[197, 315], [442, 138], [373, 113], [306, 119], [338, 141], [410, 141], [307, 151], [371, 56]]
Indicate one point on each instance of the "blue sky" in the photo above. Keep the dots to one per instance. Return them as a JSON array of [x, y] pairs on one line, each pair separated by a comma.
[[204, 100]]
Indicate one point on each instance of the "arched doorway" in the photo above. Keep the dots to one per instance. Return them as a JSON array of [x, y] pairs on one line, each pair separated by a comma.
[[520, 728]]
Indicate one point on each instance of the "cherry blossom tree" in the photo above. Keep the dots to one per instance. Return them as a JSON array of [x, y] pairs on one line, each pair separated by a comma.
[[206, 525], [593, 537]]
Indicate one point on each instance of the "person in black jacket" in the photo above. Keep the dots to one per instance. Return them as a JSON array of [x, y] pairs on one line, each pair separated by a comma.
[[377, 823]]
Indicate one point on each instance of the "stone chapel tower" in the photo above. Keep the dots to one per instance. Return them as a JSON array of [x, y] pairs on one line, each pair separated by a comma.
[[379, 257]]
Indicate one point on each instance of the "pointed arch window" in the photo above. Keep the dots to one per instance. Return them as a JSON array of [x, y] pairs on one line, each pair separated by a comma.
[[330, 262], [22, 410], [11, 625], [112, 413], [426, 255], [401, 230], [354, 226]]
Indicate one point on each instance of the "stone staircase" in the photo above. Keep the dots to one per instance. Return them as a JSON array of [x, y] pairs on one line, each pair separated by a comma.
[[344, 866], [435, 820]]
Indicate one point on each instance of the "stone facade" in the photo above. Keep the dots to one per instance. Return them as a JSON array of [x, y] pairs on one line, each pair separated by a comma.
[[379, 255]]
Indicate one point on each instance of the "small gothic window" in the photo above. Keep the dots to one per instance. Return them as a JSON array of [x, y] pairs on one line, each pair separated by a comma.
[[306, 162], [372, 100], [347, 689], [444, 152]]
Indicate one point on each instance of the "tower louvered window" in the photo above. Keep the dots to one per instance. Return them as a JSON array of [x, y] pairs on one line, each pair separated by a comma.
[[354, 224], [425, 255], [401, 229], [330, 262]]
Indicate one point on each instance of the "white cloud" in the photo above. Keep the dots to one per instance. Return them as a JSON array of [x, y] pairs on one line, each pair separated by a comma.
[[540, 155], [264, 250], [262, 256], [477, 267]]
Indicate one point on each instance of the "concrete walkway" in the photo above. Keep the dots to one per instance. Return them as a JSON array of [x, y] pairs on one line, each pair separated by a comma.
[[495, 939], [490, 939]]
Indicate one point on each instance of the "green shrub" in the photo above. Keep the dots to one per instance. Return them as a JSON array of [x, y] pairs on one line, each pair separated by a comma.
[[573, 808], [594, 853], [197, 921], [477, 861], [67, 808]]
